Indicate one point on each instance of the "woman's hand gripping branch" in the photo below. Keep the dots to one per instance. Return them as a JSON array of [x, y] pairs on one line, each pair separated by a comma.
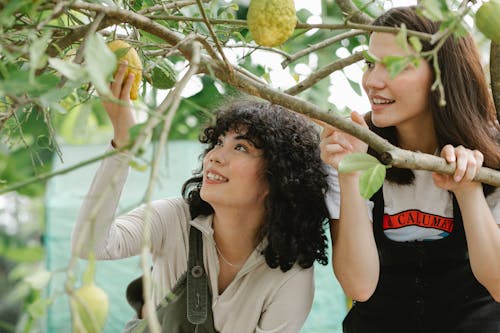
[[118, 108], [467, 161], [336, 144]]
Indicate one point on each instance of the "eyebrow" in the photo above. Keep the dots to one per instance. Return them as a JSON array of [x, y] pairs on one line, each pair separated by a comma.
[[246, 138]]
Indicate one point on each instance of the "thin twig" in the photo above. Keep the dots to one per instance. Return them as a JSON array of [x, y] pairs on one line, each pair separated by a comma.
[[320, 45], [170, 5], [214, 36], [46, 176], [324, 72], [258, 47], [171, 103], [350, 10], [91, 30]]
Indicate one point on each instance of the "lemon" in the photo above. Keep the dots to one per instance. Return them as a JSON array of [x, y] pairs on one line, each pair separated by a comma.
[[161, 75], [89, 306], [488, 20], [125, 52], [271, 22]]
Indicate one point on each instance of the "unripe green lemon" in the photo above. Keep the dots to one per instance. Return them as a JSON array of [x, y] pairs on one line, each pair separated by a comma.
[[488, 20], [162, 75], [125, 52], [90, 304], [271, 22]]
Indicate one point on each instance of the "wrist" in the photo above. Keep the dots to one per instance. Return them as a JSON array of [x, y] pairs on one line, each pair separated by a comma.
[[118, 143], [349, 179], [469, 189]]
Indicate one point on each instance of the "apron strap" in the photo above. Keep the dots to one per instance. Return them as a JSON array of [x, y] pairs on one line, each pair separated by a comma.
[[197, 284]]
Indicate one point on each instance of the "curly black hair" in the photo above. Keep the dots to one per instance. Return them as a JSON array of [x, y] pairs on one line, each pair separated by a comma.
[[296, 213]]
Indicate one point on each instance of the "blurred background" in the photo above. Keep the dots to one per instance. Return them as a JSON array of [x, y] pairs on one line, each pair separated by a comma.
[[46, 129]]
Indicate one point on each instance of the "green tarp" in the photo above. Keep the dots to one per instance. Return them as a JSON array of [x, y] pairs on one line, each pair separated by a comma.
[[64, 196]]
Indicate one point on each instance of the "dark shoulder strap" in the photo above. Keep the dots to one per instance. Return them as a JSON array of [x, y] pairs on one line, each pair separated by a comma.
[[197, 284]]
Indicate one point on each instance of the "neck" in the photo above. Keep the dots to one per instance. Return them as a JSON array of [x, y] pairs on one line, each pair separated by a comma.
[[418, 136], [236, 233]]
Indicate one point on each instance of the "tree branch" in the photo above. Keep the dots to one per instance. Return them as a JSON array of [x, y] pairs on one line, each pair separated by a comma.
[[320, 45], [324, 72], [214, 36], [392, 154], [352, 12]]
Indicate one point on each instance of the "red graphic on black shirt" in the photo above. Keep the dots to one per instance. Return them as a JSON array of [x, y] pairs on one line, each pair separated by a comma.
[[418, 218]]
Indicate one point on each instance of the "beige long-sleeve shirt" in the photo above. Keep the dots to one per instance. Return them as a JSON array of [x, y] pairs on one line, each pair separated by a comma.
[[259, 299]]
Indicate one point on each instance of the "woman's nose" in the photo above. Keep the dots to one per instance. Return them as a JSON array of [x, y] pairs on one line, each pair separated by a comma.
[[375, 78], [217, 155]]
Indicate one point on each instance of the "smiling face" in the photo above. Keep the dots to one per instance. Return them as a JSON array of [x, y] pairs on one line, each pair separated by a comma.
[[402, 101], [234, 173]]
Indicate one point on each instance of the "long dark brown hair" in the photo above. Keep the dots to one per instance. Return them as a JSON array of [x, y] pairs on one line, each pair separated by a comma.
[[469, 117]]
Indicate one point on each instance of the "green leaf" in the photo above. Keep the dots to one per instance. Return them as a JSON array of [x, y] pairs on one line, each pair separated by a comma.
[[69, 69], [21, 254], [371, 180], [37, 49], [38, 308], [355, 86], [435, 10], [396, 64], [402, 38], [370, 56], [136, 165], [39, 279], [415, 43], [19, 83], [100, 63], [357, 162]]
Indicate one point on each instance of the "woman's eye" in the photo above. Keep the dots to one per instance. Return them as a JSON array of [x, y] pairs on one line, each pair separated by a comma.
[[241, 147], [369, 64]]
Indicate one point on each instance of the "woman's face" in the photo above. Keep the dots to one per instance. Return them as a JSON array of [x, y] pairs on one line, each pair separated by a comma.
[[234, 173], [402, 101]]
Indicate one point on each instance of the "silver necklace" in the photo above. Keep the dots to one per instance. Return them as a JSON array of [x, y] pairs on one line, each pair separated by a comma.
[[225, 260]]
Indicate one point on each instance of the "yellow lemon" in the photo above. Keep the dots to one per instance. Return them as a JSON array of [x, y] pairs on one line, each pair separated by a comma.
[[89, 306], [488, 20], [125, 52], [271, 22]]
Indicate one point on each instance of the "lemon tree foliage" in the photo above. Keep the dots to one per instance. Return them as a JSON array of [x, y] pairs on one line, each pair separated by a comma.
[[372, 172], [54, 59]]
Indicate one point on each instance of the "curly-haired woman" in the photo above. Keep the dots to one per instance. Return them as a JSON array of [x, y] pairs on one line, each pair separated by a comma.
[[258, 201]]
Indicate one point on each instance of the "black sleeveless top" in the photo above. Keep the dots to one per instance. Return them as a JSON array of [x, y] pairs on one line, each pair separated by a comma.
[[425, 286]]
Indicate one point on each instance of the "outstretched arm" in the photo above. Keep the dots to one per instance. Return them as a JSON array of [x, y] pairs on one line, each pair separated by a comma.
[[355, 257], [93, 228]]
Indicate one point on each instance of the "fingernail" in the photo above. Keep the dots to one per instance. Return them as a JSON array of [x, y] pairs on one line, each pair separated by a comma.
[[457, 178]]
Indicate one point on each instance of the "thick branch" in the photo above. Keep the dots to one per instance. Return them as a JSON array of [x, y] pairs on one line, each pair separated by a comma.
[[394, 155]]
